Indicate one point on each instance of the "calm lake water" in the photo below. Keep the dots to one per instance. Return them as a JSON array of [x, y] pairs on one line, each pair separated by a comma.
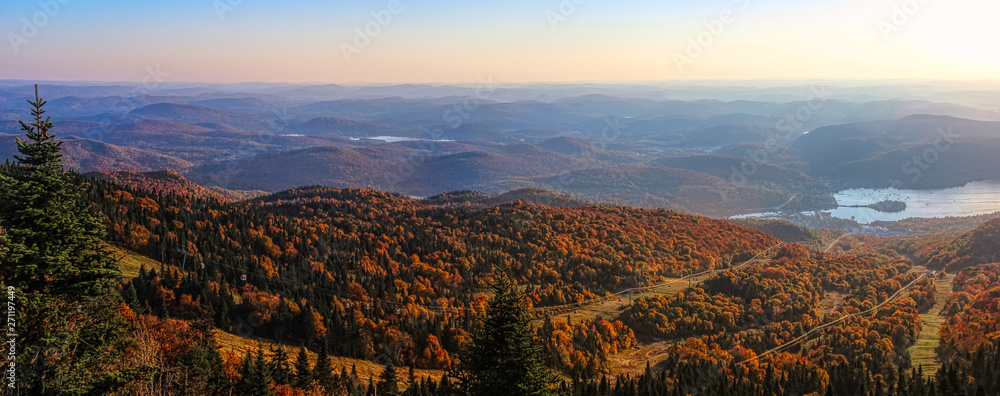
[[975, 198], [972, 199]]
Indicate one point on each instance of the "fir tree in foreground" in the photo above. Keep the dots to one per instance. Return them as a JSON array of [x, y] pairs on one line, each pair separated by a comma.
[[57, 238], [504, 358], [70, 330]]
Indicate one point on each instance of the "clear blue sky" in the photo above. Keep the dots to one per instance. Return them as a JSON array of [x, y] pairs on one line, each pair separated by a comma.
[[460, 41]]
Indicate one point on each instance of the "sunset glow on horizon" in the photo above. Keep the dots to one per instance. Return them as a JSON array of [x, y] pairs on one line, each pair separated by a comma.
[[519, 41]]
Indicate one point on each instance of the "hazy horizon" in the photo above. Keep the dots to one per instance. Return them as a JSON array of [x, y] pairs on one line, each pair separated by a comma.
[[575, 41]]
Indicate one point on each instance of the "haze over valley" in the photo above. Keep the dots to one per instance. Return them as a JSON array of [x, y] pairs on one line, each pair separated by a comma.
[[627, 144]]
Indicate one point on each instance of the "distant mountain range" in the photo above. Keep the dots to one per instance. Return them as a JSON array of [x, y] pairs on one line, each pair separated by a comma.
[[602, 143]]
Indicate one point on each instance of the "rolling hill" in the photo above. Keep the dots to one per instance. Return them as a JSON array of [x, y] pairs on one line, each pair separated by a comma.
[[919, 151], [85, 155], [193, 114], [170, 182], [283, 169], [651, 186], [979, 246], [344, 127], [567, 145], [726, 167]]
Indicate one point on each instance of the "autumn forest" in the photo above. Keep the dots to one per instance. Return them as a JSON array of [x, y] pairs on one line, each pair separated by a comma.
[[150, 284]]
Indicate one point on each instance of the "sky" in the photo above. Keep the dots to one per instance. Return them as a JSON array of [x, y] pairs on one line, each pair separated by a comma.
[[383, 41]]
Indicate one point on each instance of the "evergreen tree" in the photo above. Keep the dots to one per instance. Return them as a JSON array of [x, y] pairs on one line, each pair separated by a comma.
[[56, 237], [255, 375], [303, 373], [446, 387], [280, 367], [131, 298], [204, 361], [323, 371], [388, 384], [71, 331], [504, 358]]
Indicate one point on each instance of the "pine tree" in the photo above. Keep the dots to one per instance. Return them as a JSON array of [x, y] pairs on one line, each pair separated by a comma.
[[303, 373], [205, 362], [504, 358], [131, 297], [280, 367], [255, 375], [71, 331], [57, 238], [323, 371], [388, 384]]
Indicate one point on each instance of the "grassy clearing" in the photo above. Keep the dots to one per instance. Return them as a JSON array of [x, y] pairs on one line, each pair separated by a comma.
[[923, 352], [240, 346], [634, 361], [129, 262], [609, 309], [831, 300]]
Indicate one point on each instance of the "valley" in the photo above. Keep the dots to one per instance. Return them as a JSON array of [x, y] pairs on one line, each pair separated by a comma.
[[712, 157]]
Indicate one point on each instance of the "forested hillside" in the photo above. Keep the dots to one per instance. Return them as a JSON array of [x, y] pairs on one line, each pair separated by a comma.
[[979, 246], [379, 276], [371, 272], [369, 275]]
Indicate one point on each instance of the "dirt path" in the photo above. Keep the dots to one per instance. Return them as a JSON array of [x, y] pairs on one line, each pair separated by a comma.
[[834, 243]]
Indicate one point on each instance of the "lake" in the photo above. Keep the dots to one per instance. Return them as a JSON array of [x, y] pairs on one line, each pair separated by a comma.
[[394, 139], [975, 198]]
